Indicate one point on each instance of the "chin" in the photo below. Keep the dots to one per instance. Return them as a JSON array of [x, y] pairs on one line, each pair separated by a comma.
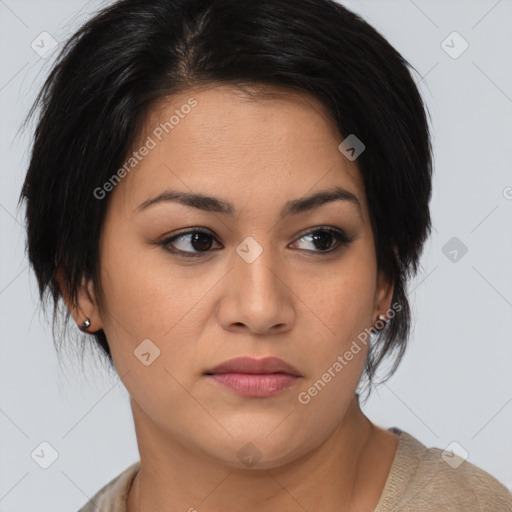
[[258, 452]]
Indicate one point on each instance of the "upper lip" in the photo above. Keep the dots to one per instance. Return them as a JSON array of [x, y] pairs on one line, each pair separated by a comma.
[[251, 365]]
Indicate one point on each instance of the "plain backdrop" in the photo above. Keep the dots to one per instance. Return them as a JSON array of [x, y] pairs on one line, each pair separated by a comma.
[[455, 382]]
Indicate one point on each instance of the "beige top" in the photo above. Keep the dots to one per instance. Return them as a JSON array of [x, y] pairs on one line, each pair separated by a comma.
[[420, 480]]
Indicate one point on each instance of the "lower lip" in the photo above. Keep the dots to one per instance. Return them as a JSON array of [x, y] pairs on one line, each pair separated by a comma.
[[256, 385]]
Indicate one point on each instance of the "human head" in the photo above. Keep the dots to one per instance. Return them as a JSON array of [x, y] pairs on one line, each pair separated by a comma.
[[134, 53]]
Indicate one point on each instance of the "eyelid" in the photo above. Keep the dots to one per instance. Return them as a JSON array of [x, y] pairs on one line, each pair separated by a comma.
[[330, 229]]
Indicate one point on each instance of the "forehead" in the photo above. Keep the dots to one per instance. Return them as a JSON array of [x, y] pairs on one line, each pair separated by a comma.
[[250, 116], [246, 144]]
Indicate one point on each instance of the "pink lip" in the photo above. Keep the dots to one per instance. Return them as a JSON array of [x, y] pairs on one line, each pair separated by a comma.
[[251, 365], [256, 385], [250, 377]]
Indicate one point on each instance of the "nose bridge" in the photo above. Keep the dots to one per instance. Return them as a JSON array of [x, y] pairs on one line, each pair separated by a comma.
[[257, 295], [256, 268]]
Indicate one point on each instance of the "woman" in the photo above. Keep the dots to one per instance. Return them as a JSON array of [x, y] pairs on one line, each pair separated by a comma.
[[230, 198]]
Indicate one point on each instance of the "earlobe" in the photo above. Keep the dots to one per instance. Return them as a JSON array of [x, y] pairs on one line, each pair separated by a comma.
[[85, 312]]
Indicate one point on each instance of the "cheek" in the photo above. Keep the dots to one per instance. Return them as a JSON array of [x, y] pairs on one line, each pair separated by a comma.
[[343, 309], [338, 358], [137, 287], [346, 299], [147, 297]]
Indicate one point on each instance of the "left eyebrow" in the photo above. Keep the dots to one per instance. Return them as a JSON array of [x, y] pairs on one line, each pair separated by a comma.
[[214, 204], [317, 199]]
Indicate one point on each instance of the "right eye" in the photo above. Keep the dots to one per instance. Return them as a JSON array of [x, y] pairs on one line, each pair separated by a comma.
[[198, 240]]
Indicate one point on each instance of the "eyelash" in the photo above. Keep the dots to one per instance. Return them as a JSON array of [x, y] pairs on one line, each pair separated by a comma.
[[340, 237]]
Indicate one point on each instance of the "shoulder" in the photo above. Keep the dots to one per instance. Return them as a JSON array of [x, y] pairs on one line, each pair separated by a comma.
[[112, 496], [425, 479]]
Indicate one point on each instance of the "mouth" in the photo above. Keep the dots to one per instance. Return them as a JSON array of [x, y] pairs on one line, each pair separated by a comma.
[[256, 378]]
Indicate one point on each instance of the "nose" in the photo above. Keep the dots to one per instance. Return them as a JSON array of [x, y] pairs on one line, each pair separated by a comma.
[[256, 296]]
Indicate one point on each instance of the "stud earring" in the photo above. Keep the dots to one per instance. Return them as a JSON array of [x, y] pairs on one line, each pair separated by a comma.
[[381, 322], [85, 325]]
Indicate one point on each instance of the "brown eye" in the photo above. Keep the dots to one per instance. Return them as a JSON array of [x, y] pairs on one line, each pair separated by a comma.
[[326, 239], [201, 241], [189, 244], [322, 239]]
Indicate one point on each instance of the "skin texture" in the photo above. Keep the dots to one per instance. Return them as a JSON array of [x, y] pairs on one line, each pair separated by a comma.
[[293, 302]]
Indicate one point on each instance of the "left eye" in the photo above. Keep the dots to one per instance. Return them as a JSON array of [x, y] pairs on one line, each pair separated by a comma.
[[323, 239], [200, 241]]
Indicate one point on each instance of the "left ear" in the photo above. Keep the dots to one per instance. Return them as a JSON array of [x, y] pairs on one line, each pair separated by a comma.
[[384, 292], [383, 296]]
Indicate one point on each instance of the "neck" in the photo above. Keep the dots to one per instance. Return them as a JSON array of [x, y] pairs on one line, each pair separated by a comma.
[[350, 467]]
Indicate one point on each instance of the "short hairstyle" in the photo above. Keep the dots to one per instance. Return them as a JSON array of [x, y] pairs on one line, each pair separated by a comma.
[[117, 65]]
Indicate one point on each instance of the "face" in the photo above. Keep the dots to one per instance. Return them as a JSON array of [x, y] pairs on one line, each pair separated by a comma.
[[255, 271]]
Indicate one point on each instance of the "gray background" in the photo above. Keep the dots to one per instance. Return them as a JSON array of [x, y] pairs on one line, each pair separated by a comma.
[[455, 383]]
